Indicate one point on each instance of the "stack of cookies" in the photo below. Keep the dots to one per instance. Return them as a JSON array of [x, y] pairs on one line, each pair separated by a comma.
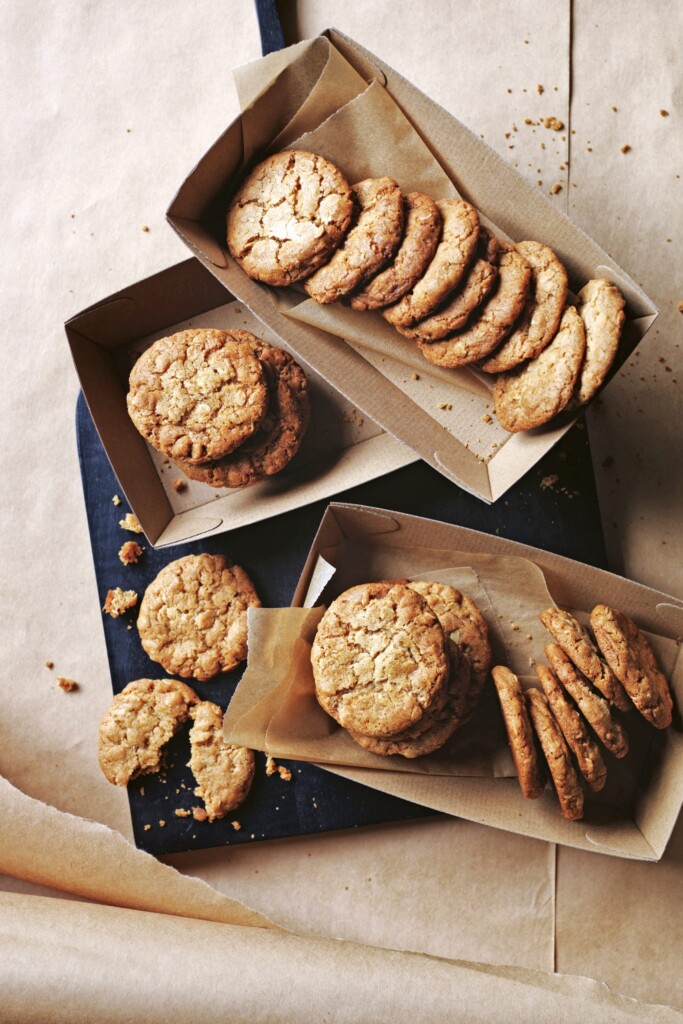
[[436, 274], [576, 712], [227, 407], [401, 666]]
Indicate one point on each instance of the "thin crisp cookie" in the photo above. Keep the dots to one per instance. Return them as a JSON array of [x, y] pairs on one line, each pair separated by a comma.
[[520, 735], [577, 645], [288, 217], [558, 759], [594, 708], [601, 307], [585, 750], [224, 772], [633, 662]]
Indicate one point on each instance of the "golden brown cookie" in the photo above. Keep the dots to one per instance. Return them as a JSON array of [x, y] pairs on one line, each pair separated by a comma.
[[421, 235], [542, 312], [279, 435], [224, 773], [478, 284], [453, 255], [601, 307], [198, 394], [532, 394], [139, 722], [492, 321], [193, 617], [633, 662], [558, 759], [379, 659], [594, 708], [370, 244], [585, 750], [577, 645], [520, 735], [288, 217]]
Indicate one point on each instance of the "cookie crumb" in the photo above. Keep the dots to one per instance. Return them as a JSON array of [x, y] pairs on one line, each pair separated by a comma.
[[145, 227], [236, 825], [66, 684], [147, 827], [557, 187], [680, 307], [49, 664], [549, 481], [180, 812], [625, 148], [179, 485], [130, 523], [142, 790], [199, 814], [663, 113], [447, 406], [116, 500], [284, 773], [553, 123], [162, 823], [271, 767], [415, 376], [486, 418], [540, 90], [118, 601], [614, 110], [514, 627], [130, 552]]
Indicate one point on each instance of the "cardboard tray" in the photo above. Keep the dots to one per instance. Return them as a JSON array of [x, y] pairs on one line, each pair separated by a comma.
[[502, 195]]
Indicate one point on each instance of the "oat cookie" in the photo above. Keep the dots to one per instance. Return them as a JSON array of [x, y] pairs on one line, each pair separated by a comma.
[[594, 708], [370, 244], [633, 662], [492, 321], [379, 659], [139, 722], [197, 395], [193, 617], [288, 217], [540, 319], [478, 284], [601, 307], [422, 231], [585, 750], [279, 435], [567, 785], [224, 773], [453, 255], [533, 393], [578, 646], [520, 735]]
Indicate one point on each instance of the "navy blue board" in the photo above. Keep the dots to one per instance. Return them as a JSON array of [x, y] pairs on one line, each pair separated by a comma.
[[563, 518]]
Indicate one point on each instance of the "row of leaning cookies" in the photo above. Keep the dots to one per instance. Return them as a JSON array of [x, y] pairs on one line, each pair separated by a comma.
[[401, 665], [226, 406], [192, 622], [576, 712], [437, 274]]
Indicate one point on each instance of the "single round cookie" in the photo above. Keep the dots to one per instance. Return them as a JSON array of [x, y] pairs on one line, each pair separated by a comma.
[[477, 286], [585, 750], [542, 312], [140, 721], [379, 659], [288, 217], [492, 321], [594, 708], [601, 307], [633, 662], [520, 735], [422, 231], [558, 758], [224, 773], [369, 245], [279, 435], [578, 646], [452, 257], [193, 617], [198, 394], [532, 394]]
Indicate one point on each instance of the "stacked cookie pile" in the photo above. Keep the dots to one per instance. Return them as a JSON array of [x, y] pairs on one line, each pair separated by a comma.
[[583, 689], [227, 407], [436, 274], [401, 666]]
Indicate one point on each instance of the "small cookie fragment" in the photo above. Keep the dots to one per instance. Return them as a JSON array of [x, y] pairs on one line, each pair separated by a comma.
[[586, 752], [130, 552], [565, 779], [49, 664], [578, 646], [520, 735], [224, 772], [130, 522], [119, 601], [181, 812], [594, 708], [116, 500], [601, 307], [68, 685], [633, 662], [179, 485]]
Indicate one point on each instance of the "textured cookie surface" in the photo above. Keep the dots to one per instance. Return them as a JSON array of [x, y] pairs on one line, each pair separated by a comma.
[[422, 230], [594, 708], [140, 721], [193, 617], [558, 759], [492, 321], [453, 255], [520, 736], [578, 646], [279, 435], [585, 750], [379, 659], [633, 662], [288, 217], [532, 394], [478, 284], [601, 307], [197, 395], [369, 245], [224, 773], [542, 312]]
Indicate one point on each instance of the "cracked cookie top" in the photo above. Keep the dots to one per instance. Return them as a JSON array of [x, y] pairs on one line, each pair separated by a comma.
[[288, 217]]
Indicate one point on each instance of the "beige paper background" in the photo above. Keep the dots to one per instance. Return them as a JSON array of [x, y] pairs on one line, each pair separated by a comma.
[[70, 93]]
